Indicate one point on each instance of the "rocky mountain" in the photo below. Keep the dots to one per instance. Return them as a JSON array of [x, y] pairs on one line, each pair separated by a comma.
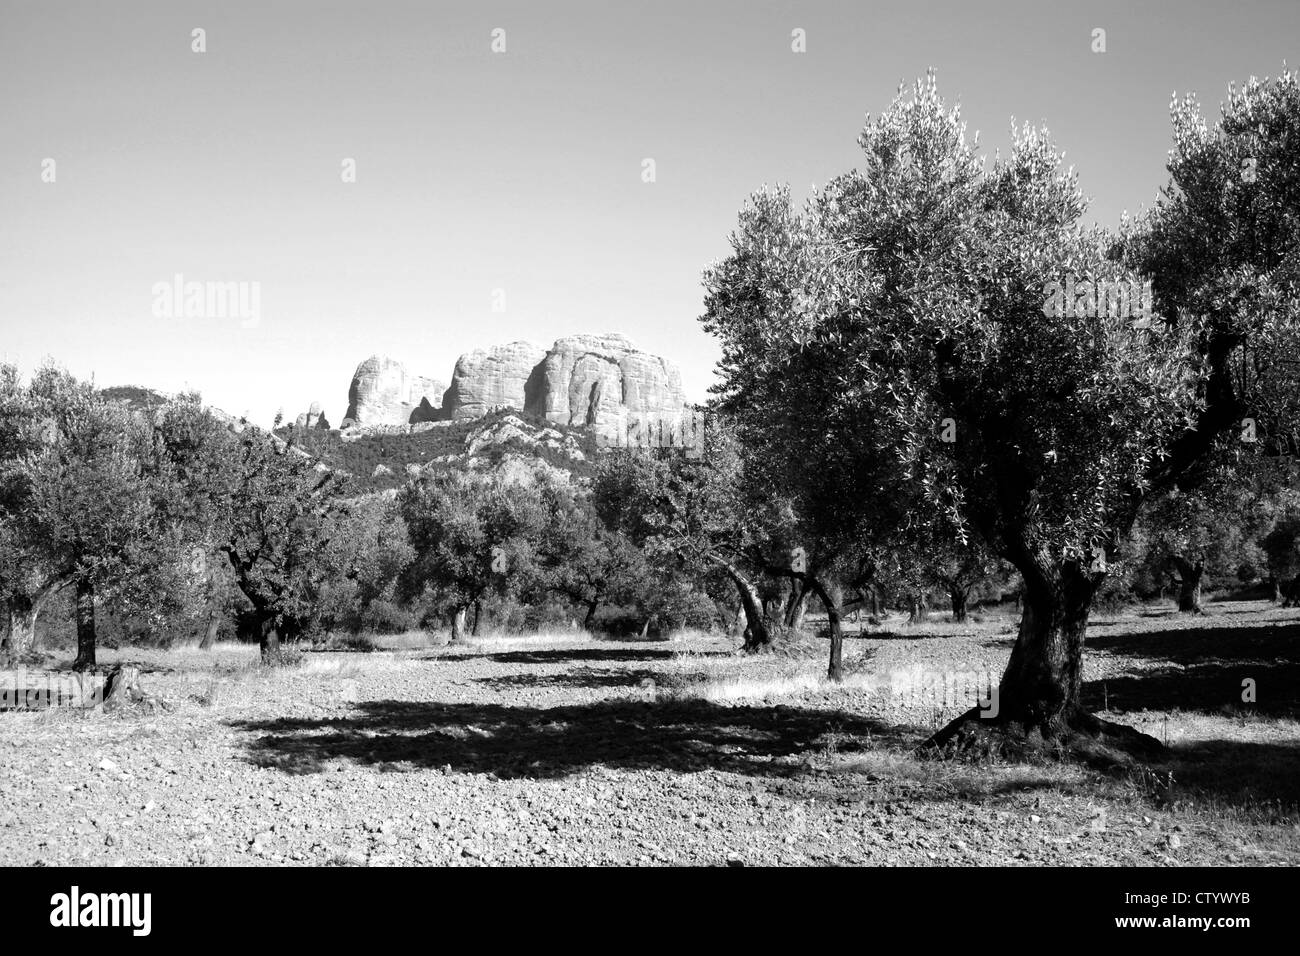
[[383, 392], [484, 380], [313, 418], [591, 380], [385, 459], [519, 407]]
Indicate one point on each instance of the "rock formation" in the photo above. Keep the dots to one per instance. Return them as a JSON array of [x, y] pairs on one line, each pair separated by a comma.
[[485, 379], [313, 418], [384, 393], [592, 379], [510, 429], [580, 380]]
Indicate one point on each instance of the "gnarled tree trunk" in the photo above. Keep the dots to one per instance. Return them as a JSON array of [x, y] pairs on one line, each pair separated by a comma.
[[1189, 585], [917, 609], [958, 598], [85, 626], [591, 614], [757, 635], [258, 624], [270, 642], [23, 612], [210, 634], [797, 606], [1039, 695], [458, 624], [21, 636], [1042, 683], [830, 600], [800, 610]]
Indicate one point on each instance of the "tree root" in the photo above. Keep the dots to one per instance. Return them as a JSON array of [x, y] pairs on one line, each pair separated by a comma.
[[1075, 735], [781, 640]]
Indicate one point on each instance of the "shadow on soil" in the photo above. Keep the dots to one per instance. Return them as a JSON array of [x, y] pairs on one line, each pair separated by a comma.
[[1187, 644], [1197, 670], [1260, 777], [535, 742], [582, 677], [1202, 670], [570, 655]]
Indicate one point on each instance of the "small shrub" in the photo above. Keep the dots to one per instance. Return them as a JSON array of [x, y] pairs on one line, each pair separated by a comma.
[[288, 655], [346, 641], [1115, 594], [385, 617]]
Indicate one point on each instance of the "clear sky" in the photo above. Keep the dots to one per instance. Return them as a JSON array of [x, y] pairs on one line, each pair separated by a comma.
[[518, 171]]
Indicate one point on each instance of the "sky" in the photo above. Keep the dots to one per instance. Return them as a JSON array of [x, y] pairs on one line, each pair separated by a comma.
[[500, 195]]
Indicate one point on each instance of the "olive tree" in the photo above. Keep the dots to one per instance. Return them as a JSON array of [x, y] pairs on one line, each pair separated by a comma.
[[694, 509], [86, 505], [922, 301], [475, 534]]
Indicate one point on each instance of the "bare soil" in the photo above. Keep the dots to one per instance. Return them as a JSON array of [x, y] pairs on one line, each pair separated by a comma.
[[563, 749]]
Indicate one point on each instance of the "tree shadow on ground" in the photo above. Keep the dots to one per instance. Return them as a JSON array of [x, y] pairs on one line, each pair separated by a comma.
[[615, 637], [1259, 777], [588, 677], [566, 655], [1217, 608], [1207, 687], [1202, 670], [542, 743], [772, 743], [905, 635], [1004, 642], [1267, 642]]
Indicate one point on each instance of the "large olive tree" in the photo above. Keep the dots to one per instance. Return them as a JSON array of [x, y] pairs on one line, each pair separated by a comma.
[[905, 339]]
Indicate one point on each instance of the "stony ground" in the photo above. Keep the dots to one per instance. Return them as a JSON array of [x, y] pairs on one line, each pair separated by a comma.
[[559, 749]]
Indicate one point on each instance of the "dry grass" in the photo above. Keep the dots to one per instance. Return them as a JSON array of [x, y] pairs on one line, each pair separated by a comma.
[[770, 687], [504, 642], [965, 780], [417, 640], [766, 677], [185, 657], [719, 677]]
